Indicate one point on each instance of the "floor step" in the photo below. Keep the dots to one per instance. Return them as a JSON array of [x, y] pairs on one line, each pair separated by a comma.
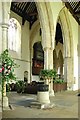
[[42, 106], [35, 105]]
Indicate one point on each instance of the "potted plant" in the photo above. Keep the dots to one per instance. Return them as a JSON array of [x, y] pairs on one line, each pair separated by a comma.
[[7, 66], [47, 76], [59, 85]]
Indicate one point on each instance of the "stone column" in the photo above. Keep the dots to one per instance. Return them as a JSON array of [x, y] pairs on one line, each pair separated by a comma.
[[78, 48], [46, 57], [68, 72], [79, 65], [48, 64], [4, 36], [5, 20]]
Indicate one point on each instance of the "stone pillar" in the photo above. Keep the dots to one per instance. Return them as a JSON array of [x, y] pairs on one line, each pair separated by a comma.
[[0, 53], [4, 36], [46, 57], [68, 72], [48, 64], [78, 48], [1, 27], [5, 20]]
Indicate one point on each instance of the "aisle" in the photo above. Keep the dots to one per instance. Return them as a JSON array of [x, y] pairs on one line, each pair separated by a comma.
[[66, 106]]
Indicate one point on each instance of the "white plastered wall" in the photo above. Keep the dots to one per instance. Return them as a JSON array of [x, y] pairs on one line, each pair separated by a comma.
[[24, 59], [34, 37]]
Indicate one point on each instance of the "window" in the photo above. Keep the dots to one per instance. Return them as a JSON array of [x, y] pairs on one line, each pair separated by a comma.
[[14, 35]]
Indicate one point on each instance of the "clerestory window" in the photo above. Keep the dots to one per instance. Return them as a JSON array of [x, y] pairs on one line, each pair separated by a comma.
[[14, 35]]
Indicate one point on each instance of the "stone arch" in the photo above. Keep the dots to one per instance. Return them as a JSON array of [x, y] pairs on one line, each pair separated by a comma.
[[66, 31], [64, 21], [25, 76], [35, 28], [51, 25], [34, 31], [45, 23]]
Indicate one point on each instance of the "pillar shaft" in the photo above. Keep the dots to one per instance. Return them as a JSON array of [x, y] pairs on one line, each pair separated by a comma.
[[48, 58], [5, 20], [48, 64], [4, 36], [68, 72], [4, 25]]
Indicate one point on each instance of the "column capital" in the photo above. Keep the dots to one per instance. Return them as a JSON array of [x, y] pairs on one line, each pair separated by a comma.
[[48, 48], [4, 25]]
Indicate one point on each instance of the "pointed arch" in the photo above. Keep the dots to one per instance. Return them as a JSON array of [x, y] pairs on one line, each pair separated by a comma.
[[45, 22], [63, 20]]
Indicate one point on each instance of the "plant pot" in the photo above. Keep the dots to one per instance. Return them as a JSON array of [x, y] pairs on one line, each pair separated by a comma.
[[58, 87], [43, 87], [55, 87]]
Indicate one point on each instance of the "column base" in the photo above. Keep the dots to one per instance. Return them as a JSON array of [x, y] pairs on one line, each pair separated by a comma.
[[51, 93], [5, 102]]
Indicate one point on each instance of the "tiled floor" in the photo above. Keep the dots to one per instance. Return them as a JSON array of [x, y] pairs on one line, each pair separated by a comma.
[[66, 106]]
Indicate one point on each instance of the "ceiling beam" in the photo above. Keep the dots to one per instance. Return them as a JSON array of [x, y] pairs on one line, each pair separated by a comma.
[[25, 14], [72, 11], [77, 13], [32, 14], [76, 6], [14, 10], [27, 5]]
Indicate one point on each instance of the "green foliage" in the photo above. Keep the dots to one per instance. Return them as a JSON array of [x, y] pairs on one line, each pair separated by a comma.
[[20, 86], [7, 66], [48, 74], [59, 81]]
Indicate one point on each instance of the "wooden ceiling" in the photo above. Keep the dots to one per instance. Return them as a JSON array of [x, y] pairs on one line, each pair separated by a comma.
[[74, 8], [28, 10]]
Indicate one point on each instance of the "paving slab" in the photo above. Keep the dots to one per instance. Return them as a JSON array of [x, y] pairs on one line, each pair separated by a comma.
[[66, 106]]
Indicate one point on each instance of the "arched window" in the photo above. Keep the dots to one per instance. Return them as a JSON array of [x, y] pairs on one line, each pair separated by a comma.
[[14, 35]]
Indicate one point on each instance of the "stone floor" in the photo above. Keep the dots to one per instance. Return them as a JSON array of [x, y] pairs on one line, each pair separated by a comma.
[[66, 106]]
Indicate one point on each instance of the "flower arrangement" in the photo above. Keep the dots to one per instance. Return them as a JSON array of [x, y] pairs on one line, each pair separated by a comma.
[[7, 66], [47, 74]]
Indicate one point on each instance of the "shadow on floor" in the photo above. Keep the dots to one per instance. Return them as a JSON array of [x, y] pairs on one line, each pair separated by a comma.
[[25, 103]]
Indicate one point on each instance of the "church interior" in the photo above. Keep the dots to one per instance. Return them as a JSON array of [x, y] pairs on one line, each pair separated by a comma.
[[42, 35]]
